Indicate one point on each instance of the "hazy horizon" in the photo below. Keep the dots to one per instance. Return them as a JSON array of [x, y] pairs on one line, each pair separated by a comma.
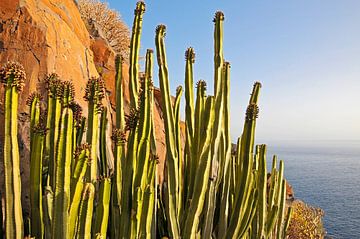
[[305, 53]]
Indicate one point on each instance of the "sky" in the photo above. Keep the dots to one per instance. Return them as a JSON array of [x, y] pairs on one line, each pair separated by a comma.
[[306, 54]]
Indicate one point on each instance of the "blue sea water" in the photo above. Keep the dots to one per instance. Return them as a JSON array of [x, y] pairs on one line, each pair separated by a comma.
[[325, 174]]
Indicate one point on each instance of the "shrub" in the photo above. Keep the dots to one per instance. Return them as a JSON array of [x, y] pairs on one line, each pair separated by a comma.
[[306, 222], [115, 31]]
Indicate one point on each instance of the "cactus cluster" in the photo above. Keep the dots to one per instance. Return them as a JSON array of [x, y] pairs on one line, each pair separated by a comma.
[[209, 190]]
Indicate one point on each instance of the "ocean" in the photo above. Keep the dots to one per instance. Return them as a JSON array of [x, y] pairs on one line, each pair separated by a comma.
[[325, 174]]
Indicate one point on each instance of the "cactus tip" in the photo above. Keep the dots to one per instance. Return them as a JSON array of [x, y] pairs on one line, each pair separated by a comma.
[[33, 96], [140, 8], [257, 83], [219, 16], [13, 73], [161, 30], [178, 90], [95, 90], [190, 54], [201, 84]]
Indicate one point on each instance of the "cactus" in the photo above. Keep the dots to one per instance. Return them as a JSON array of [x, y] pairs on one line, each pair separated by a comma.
[[85, 213], [62, 176], [172, 154], [104, 191], [134, 54], [94, 94], [12, 75], [55, 92], [36, 159], [82, 156]]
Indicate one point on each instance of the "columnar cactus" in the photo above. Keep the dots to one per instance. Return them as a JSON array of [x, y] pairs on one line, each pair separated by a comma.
[[62, 176], [36, 171], [93, 95], [12, 75], [82, 156], [169, 123], [55, 93]]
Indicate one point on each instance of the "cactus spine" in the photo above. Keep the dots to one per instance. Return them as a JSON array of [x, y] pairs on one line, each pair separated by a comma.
[[12, 76]]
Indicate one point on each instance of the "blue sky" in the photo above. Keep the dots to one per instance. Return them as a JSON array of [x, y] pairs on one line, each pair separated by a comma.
[[306, 53]]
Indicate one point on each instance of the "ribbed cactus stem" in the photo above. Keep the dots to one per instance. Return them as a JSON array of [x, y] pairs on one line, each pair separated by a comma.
[[36, 167], [102, 208], [118, 137], [281, 216], [180, 190], [55, 93], [12, 75], [189, 117], [86, 212], [134, 54], [143, 154], [82, 156], [60, 224], [172, 154], [120, 116], [192, 221], [262, 184], [199, 110], [93, 95]]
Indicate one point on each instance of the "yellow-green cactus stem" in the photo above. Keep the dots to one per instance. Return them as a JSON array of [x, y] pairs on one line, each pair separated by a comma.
[[119, 139], [104, 192], [192, 221], [120, 116], [189, 116], [82, 156], [134, 53], [86, 212], [36, 161], [60, 225], [55, 93], [170, 133], [12, 75], [94, 94]]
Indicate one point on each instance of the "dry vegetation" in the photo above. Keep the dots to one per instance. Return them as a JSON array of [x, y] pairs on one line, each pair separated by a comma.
[[110, 23], [306, 222]]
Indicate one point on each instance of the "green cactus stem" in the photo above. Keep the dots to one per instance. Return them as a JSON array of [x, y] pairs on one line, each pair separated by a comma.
[[12, 75], [189, 120], [143, 154], [55, 93], [61, 205], [104, 193], [172, 154], [119, 139], [134, 54], [47, 210], [86, 212], [94, 94], [102, 208], [192, 221], [36, 159], [82, 156], [120, 116]]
